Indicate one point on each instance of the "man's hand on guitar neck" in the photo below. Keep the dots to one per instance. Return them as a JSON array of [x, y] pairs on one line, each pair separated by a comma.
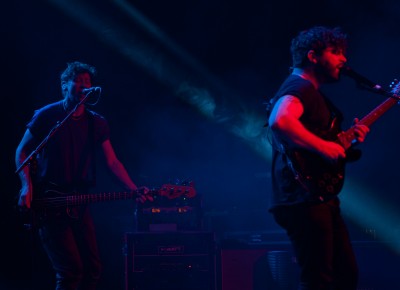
[[360, 131], [332, 151], [143, 194]]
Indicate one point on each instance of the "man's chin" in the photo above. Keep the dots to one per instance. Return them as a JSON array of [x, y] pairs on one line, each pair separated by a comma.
[[332, 78]]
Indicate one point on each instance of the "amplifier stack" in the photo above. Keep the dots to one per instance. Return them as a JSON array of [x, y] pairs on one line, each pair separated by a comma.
[[170, 261]]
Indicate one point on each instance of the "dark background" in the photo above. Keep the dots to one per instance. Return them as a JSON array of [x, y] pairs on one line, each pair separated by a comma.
[[233, 55]]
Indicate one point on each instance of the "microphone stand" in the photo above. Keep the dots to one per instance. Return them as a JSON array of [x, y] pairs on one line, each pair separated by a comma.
[[377, 89], [41, 145]]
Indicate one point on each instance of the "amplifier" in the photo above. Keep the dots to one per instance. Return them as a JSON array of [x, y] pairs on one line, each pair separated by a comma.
[[170, 261], [180, 213]]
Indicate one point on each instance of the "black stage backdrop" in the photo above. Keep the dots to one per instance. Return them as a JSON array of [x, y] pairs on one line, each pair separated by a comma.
[[183, 85]]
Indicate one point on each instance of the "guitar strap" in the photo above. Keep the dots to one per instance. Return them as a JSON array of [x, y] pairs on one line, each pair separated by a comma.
[[335, 112], [296, 174]]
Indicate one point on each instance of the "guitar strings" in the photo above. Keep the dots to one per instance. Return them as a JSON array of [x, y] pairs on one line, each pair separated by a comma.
[[169, 191]]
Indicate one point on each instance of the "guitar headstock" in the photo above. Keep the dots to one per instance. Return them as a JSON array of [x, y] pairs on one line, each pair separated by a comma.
[[395, 87], [172, 191]]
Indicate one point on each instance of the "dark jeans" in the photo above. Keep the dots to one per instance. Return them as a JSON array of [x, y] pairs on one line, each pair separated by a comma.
[[322, 245], [71, 246]]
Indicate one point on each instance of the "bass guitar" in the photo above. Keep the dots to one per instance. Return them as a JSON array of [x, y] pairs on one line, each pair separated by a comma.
[[322, 177], [55, 201]]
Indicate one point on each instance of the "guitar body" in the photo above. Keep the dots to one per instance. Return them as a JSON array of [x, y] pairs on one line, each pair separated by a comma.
[[40, 212], [52, 202], [316, 174]]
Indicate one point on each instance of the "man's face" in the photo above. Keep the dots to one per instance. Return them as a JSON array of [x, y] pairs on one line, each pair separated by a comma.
[[75, 87], [329, 64]]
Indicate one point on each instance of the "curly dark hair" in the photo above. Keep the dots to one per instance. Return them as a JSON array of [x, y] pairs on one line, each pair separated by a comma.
[[75, 68], [316, 38]]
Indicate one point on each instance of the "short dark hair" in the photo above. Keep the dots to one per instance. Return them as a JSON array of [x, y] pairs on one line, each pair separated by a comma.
[[75, 68], [316, 38]]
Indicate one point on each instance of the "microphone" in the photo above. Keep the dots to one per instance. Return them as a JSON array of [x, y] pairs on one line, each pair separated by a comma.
[[90, 90], [360, 80]]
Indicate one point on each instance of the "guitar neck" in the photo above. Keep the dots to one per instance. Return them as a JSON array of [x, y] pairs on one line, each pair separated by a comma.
[[81, 199], [99, 197], [346, 138], [369, 119]]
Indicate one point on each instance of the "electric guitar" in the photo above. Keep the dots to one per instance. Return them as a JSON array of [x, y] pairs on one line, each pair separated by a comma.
[[324, 178]]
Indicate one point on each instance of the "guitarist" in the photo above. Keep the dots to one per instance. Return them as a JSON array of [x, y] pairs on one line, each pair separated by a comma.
[[67, 163], [300, 120]]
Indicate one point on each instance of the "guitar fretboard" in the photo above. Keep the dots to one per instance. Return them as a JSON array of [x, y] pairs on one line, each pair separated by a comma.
[[369, 119], [81, 199]]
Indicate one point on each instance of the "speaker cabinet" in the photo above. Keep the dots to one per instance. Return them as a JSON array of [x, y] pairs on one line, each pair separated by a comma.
[[170, 261]]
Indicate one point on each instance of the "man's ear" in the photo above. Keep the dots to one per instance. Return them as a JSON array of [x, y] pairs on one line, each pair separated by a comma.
[[311, 55], [63, 86]]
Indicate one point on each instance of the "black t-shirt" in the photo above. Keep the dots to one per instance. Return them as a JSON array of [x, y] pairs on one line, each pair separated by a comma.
[[317, 117], [67, 158]]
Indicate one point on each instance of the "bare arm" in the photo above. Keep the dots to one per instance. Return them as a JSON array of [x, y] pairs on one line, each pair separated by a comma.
[[285, 123], [116, 167], [24, 148]]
